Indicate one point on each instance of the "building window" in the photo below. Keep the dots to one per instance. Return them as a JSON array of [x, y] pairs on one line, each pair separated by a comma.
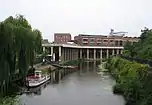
[[116, 43], [99, 41], [85, 39], [85, 44], [92, 40], [99, 44], [105, 40]]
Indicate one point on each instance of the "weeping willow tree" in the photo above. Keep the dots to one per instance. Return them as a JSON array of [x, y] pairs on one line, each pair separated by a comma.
[[19, 44]]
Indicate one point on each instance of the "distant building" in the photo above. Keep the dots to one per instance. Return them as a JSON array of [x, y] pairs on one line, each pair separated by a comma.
[[103, 40], [62, 38]]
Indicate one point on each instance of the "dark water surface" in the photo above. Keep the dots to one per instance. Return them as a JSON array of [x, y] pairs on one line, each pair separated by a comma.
[[84, 87]]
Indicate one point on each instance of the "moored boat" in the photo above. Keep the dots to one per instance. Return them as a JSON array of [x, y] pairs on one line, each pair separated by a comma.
[[37, 79]]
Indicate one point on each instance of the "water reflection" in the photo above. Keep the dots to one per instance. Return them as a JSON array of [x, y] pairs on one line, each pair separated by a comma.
[[83, 69], [84, 87], [37, 90]]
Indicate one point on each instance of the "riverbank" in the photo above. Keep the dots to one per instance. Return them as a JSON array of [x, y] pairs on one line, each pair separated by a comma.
[[132, 80], [72, 62]]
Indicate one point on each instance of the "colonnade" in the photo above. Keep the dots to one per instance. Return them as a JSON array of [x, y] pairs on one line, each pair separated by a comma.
[[68, 53]]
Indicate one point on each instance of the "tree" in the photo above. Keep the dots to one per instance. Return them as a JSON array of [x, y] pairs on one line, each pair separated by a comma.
[[141, 49], [18, 46], [129, 49]]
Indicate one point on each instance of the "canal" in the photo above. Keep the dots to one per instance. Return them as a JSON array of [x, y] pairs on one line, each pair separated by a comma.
[[85, 87]]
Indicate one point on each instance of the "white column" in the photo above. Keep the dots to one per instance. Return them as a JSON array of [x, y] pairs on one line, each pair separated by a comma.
[[94, 54], [107, 53], [73, 53], [43, 49], [113, 51], [121, 51], [117, 51], [101, 54], [70, 55], [51, 51], [63, 57], [59, 53], [77, 54], [87, 53], [80, 53], [65, 54]]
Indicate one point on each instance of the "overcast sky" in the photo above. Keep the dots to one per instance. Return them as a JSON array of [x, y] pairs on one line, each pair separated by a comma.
[[81, 16]]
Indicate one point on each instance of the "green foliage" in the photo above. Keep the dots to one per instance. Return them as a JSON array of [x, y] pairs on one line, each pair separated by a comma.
[[18, 47], [73, 62], [141, 49], [9, 100], [133, 81]]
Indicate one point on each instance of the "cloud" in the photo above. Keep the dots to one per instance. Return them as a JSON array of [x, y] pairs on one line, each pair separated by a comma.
[[81, 16]]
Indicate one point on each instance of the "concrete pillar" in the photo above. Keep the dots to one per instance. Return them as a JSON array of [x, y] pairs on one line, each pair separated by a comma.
[[59, 53], [52, 51], [74, 54], [107, 53], [43, 49], [100, 53], [87, 54], [117, 51], [113, 51], [80, 53], [67, 51], [63, 55], [70, 54], [121, 51], [94, 52], [77, 53]]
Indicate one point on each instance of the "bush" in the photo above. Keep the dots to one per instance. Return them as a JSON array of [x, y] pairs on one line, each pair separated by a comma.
[[132, 80], [117, 89]]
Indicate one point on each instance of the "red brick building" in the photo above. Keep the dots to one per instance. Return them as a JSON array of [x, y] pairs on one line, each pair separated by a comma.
[[62, 38], [103, 40]]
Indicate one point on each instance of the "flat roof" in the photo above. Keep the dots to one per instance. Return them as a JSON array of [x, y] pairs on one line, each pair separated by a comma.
[[78, 46]]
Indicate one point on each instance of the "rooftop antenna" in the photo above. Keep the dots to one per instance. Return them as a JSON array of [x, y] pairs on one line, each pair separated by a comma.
[[121, 33], [111, 31]]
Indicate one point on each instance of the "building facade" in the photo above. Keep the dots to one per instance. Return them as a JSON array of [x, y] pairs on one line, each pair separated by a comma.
[[102, 40], [61, 38]]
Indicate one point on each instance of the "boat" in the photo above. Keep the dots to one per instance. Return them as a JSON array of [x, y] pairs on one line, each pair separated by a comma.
[[37, 79]]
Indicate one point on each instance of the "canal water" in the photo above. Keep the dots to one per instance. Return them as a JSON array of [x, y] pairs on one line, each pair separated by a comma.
[[85, 87]]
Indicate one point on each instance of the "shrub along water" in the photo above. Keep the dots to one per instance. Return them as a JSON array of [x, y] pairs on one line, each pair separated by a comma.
[[132, 80], [73, 62]]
